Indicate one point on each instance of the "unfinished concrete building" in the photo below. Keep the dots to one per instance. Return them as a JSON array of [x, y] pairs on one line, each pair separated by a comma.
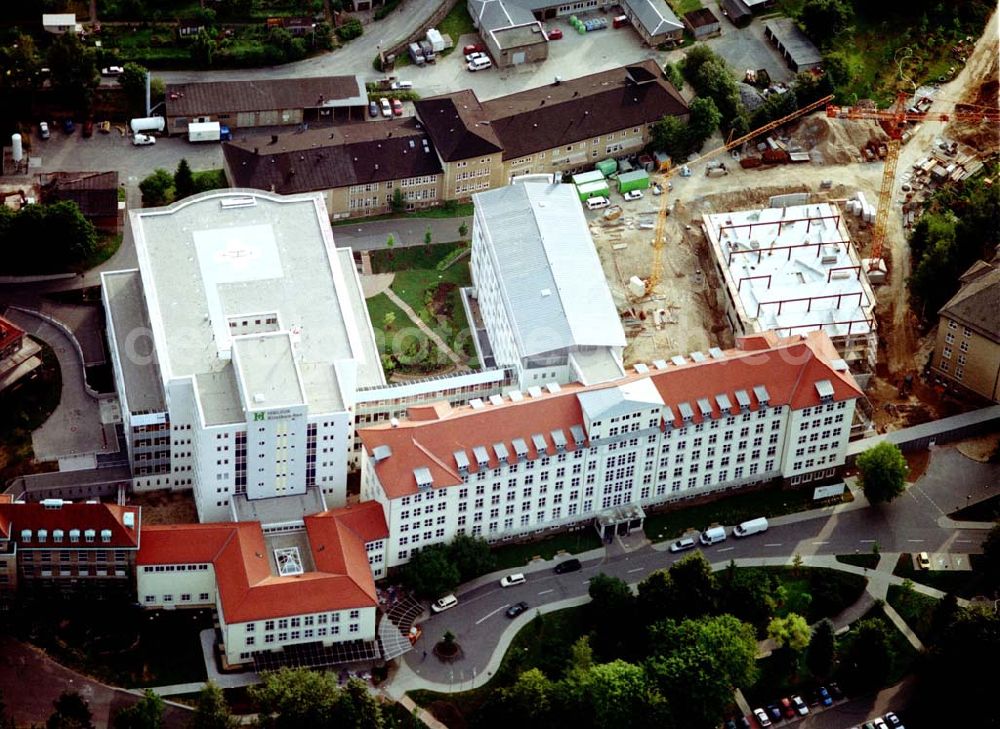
[[794, 269]]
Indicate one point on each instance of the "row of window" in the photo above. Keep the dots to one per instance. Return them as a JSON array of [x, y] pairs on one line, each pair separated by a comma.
[[184, 597]]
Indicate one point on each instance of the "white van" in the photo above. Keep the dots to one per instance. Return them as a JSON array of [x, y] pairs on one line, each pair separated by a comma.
[[594, 203], [754, 526], [713, 535], [510, 580], [445, 603], [480, 64]]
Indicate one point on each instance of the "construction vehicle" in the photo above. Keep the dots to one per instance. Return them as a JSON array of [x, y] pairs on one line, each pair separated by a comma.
[[893, 121], [659, 238]]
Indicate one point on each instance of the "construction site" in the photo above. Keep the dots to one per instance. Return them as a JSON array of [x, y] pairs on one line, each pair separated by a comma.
[[686, 267]]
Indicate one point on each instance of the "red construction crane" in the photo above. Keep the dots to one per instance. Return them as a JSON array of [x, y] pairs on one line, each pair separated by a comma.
[[893, 120]]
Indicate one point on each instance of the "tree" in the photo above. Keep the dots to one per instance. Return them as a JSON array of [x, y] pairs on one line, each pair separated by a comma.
[[693, 578], [73, 71], [673, 73], [357, 707], [822, 650], [146, 713], [428, 236], [703, 121], [291, 698], [133, 82], [21, 62], [431, 572], [615, 690], [528, 702], [696, 665], [211, 710], [463, 230], [612, 613], [398, 201], [71, 712], [157, 187], [183, 180], [694, 58], [388, 320], [390, 241], [823, 20], [350, 29], [657, 597], [670, 135], [472, 556], [882, 472], [868, 658], [203, 49], [791, 631], [748, 595]]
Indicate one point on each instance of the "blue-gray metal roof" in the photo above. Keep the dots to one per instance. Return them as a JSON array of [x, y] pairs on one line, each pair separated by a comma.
[[551, 279], [655, 16]]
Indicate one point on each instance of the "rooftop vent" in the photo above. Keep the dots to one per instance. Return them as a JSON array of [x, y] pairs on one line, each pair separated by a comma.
[[381, 453], [641, 368], [534, 391], [516, 396], [496, 400], [128, 519], [553, 387], [477, 403]]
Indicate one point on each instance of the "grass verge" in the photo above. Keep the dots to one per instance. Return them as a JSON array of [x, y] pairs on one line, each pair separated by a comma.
[[769, 502], [915, 608], [456, 24], [986, 510], [511, 556], [866, 560], [107, 246]]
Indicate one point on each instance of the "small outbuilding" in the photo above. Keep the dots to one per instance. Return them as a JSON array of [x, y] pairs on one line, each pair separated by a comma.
[[737, 11], [593, 189], [798, 51], [702, 23], [635, 180]]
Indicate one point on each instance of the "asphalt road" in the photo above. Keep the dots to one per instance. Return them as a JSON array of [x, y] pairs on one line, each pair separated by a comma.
[[405, 232], [909, 524]]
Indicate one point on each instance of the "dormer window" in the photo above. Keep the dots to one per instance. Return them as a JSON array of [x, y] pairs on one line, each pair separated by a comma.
[[89, 536], [74, 535], [105, 536]]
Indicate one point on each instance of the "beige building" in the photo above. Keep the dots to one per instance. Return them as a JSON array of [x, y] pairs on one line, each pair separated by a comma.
[[967, 352], [458, 145]]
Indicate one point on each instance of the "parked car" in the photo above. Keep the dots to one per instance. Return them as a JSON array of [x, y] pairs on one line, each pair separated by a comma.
[[386, 108], [762, 718], [104, 127], [397, 107], [835, 691], [570, 565], [68, 126], [633, 195], [373, 109], [516, 609], [743, 723], [445, 603], [43, 130], [112, 71], [924, 561], [892, 720], [397, 85], [800, 705], [729, 724], [554, 34], [510, 580], [775, 712], [788, 709], [657, 190], [473, 48], [824, 696], [879, 724], [141, 140], [682, 544], [88, 128], [480, 64], [470, 57]]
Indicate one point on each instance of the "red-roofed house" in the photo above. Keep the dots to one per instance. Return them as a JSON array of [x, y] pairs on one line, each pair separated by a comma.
[[771, 410], [56, 544], [271, 590], [18, 354]]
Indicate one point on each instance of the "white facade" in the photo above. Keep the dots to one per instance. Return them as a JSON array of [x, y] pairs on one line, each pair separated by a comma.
[[540, 287], [256, 339], [624, 445], [170, 586]]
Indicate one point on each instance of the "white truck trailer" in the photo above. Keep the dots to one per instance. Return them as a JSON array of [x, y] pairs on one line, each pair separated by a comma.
[[208, 132]]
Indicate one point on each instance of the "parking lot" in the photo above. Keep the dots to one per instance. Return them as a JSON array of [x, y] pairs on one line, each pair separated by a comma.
[[578, 55]]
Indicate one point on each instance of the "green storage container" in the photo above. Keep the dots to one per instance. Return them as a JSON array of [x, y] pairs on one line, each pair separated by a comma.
[[593, 189], [636, 180], [607, 166]]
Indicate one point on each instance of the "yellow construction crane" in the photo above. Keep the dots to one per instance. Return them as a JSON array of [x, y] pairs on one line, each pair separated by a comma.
[[893, 120], [659, 239]]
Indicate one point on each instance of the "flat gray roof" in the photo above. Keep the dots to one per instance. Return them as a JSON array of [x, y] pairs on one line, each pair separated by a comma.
[[228, 264], [794, 41], [131, 336], [518, 35], [550, 276]]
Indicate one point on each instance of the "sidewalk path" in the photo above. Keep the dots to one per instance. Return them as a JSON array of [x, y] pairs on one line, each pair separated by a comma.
[[431, 334]]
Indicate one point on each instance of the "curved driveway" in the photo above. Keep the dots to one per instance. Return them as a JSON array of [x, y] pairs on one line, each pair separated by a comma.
[[914, 522]]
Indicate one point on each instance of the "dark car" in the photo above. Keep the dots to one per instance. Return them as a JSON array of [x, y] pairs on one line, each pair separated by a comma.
[[88, 128], [68, 126], [824, 696], [743, 723], [730, 724], [835, 692], [516, 609], [774, 711], [570, 565], [372, 109]]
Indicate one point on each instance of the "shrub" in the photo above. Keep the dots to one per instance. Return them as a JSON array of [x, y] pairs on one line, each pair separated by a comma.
[[350, 29]]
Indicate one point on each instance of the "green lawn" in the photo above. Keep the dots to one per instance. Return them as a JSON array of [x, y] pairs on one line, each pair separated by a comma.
[[106, 247], [867, 560], [986, 510], [117, 642], [411, 286], [915, 608], [813, 592], [456, 24], [681, 7], [512, 556], [24, 406], [410, 257], [964, 584], [769, 502]]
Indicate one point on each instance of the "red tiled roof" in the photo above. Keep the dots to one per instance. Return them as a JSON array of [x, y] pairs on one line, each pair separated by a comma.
[[366, 519], [788, 368], [16, 517], [247, 588]]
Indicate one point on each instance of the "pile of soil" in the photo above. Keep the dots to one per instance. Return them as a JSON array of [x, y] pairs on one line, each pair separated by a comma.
[[839, 141]]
